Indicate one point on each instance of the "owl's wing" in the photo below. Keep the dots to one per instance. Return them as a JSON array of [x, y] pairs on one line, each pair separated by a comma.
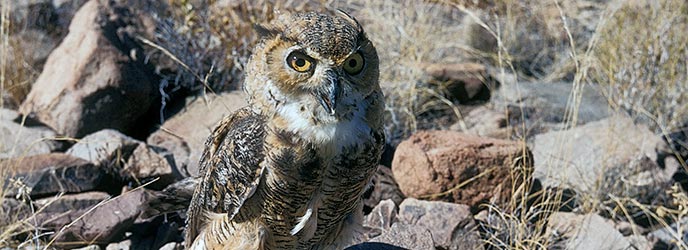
[[230, 168]]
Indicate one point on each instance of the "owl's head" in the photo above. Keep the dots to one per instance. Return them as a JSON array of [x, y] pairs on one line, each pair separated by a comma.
[[321, 66]]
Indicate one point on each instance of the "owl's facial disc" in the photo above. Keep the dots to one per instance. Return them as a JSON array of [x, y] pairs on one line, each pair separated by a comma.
[[328, 92]]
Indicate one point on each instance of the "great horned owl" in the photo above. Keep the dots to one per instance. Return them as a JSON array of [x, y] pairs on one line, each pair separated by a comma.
[[288, 171]]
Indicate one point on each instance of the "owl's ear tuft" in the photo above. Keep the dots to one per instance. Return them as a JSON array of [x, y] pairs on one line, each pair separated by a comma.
[[350, 18], [266, 31]]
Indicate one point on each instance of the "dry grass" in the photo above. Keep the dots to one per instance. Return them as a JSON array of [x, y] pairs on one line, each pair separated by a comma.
[[409, 35], [642, 61]]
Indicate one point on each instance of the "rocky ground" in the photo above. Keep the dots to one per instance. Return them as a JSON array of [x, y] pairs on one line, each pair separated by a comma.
[[102, 151]]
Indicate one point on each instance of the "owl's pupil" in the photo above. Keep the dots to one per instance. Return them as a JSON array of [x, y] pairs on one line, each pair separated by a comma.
[[352, 63], [300, 62]]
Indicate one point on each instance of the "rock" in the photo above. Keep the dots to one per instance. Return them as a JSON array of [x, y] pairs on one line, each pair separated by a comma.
[[452, 225], [19, 140], [123, 245], [147, 163], [466, 82], [460, 168], [609, 156], [486, 122], [639, 242], [131, 159], [95, 78], [669, 234], [383, 186], [539, 105], [404, 236], [9, 115], [48, 174], [106, 147], [63, 203], [185, 133], [56, 212], [586, 231], [627, 228], [380, 218], [107, 222]]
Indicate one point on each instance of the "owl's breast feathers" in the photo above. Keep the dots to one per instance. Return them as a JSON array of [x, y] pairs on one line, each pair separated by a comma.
[[262, 183]]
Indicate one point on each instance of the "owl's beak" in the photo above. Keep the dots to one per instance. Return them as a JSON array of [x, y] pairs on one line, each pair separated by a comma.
[[327, 94]]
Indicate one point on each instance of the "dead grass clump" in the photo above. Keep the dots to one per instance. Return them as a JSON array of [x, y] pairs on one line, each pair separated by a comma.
[[532, 35], [642, 61], [19, 74], [409, 35]]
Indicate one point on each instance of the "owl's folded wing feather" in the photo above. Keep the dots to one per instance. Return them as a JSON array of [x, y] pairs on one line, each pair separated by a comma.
[[230, 169]]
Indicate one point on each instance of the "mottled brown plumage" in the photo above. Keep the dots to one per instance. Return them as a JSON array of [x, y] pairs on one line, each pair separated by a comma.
[[288, 171]]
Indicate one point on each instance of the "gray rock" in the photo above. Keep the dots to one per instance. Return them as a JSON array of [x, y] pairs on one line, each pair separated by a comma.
[[55, 212], [122, 245], [406, 236], [67, 202], [587, 232], [48, 174], [544, 104], [107, 222], [147, 162], [185, 133], [95, 78], [381, 218], [609, 156], [484, 121], [106, 147], [669, 235], [132, 160], [452, 225], [18, 140], [9, 115], [639, 242]]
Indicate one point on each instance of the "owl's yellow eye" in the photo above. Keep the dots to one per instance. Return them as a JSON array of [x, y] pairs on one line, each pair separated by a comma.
[[300, 62], [354, 64]]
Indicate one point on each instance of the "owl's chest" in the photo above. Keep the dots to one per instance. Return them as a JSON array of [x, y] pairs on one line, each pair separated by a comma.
[[306, 165], [317, 185]]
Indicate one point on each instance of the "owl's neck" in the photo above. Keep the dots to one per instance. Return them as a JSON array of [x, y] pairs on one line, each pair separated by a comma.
[[336, 133], [304, 117]]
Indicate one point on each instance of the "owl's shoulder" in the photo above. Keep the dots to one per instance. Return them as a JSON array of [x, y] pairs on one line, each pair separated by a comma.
[[230, 168]]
